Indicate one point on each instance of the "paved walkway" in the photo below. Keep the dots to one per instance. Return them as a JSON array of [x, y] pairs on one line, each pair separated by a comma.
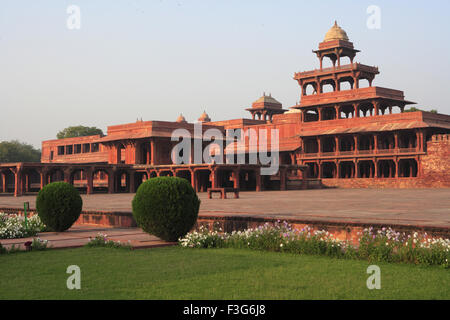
[[78, 236], [418, 207]]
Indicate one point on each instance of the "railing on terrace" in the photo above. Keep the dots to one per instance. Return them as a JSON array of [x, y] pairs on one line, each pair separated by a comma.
[[354, 66], [360, 152]]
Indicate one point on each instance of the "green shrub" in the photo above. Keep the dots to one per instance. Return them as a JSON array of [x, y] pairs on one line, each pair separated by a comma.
[[59, 205], [166, 207]]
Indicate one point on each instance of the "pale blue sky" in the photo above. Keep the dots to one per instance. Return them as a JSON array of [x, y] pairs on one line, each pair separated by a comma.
[[154, 59]]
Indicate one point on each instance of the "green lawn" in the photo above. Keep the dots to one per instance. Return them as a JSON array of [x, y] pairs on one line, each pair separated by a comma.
[[178, 273]]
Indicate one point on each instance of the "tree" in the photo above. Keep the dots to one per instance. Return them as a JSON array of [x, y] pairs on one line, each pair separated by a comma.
[[15, 151], [78, 131], [413, 109]]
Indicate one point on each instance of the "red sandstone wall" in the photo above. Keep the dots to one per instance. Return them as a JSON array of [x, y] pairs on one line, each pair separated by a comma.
[[436, 163], [434, 167]]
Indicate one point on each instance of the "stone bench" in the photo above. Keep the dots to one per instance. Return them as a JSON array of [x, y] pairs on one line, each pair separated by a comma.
[[223, 192]]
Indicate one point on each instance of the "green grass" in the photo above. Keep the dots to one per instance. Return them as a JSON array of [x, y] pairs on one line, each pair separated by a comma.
[[178, 273]]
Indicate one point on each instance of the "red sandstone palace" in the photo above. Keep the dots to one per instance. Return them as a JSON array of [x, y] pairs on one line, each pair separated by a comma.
[[340, 134]]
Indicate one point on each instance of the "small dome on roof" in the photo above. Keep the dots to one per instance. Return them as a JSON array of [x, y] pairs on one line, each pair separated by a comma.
[[336, 33], [267, 99], [181, 119], [204, 117]]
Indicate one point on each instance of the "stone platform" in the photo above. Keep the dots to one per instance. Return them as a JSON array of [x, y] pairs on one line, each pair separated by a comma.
[[409, 207], [78, 236]]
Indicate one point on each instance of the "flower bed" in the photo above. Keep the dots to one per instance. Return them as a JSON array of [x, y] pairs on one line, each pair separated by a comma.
[[374, 245], [101, 240], [13, 226]]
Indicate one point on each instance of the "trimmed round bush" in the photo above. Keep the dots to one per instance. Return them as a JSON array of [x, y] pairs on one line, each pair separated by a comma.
[[166, 207], [59, 205]]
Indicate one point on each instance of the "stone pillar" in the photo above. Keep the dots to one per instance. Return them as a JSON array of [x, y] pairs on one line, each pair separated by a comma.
[[259, 184], [3, 181], [396, 141], [375, 162], [18, 185], [214, 178], [336, 144], [338, 171], [375, 142], [396, 168], [152, 152], [193, 180], [376, 108], [27, 182], [319, 167], [236, 179], [319, 145], [42, 175], [111, 180], [282, 179], [355, 107], [90, 181]]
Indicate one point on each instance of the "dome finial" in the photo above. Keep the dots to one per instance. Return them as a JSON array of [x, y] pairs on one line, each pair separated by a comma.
[[336, 33]]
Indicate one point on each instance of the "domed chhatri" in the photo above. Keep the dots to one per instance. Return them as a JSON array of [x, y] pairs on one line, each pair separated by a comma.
[[335, 33], [204, 117], [181, 119], [268, 100]]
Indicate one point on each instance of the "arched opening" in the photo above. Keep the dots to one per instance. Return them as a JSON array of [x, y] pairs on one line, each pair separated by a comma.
[[329, 60], [121, 153], [31, 180], [313, 170], [225, 178], [386, 169], [346, 144], [328, 144], [386, 141], [144, 153], [309, 89], [366, 109], [55, 175], [166, 173], [203, 180], [407, 140], [363, 83], [78, 178], [366, 169], [184, 174], [328, 113], [311, 146], [328, 170], [153, 174], [8, 181], [139, 177], [247, 180], [327, 86], [346, 111], [407, 168], [345, 60], [365, 142], [100, 181], [122, 181], [345, 85], [346, 169], [311, 115]]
